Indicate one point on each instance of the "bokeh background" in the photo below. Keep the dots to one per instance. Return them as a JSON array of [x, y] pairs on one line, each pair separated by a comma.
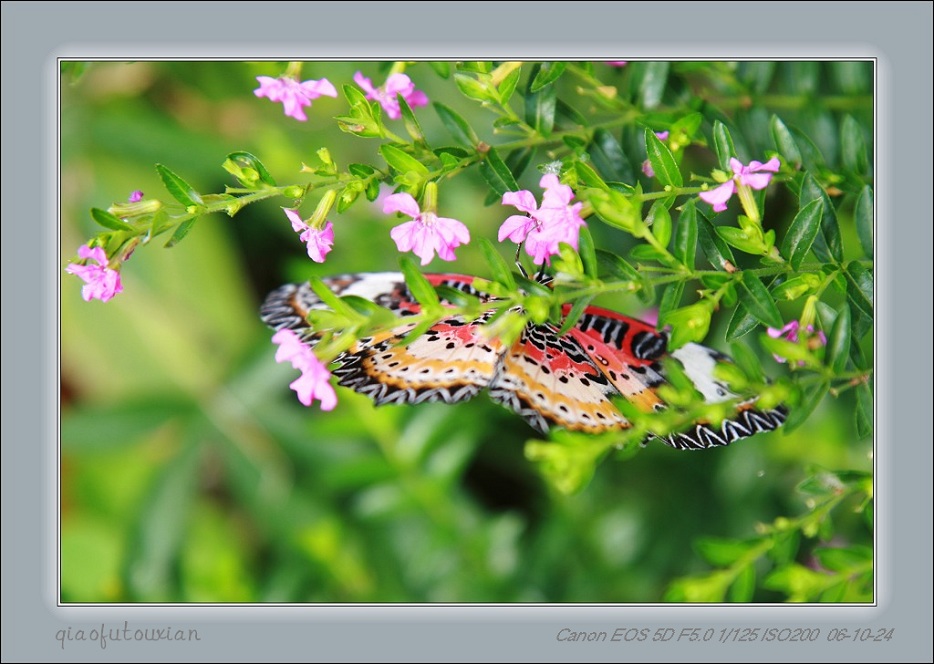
[[189, 471]]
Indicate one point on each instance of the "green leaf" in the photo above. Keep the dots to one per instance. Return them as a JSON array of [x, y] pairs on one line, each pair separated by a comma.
[[671, 298], [800, 236], [723, 552], [461, 130], [741, 323], [499, 269], [180, 190], [859, 289], [864, 411], [757, 74], [588, 253], [690, 323], [412, 127], [838, 343], [744, 587], [159, 529], [662, 161], [442, 68], [686, 235], [546, 75], [519, 159], [508, 86], [785, 142], [478, 88], [420, 288], [844, 559], [574, 314], [246, 160], [812, 397], [715, 249], [748, 361], [723, 145], [588, 176], [853, 146], [796, 287], [742, 239], [646, 252], [827, 246], [401, 161], [497, 174], [616, 209], [540, 106], [660, 220], [852, 77], [757, 300], [181, 231], [864, 215], [608, 157], [801, 77], [618, 268], [652, 84], [111, 221], [797, 581]]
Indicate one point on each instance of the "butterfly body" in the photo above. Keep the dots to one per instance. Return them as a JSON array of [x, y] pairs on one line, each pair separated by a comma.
[[551, 380]]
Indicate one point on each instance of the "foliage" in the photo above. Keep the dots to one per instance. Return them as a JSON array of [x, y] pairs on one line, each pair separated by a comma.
[[188, 475]]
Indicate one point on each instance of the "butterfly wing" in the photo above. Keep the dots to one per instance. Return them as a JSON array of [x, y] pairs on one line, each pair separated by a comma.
[[629, 353], [452, 361]]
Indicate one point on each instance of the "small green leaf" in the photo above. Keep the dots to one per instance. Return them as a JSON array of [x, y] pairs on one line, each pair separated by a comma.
[[671, 298], [540, 106], [744, 587], [652, 84], [844, 559], [497, 174], [608, 157], [412, 127], [742, 240], [420, 288], [660, 220], [508, 86], [616, 209], [690, 323], [748, 361], [796, 287], [401, 161], [864, 411], [723, 145], [574, 314], [812, 397], [801, 77], [785, 142], [478, 88], [180, 190], [757, 75], [546, 75], [588, 176], [588, 253], [800, 236], [646, 252], [715, 249], [498, 266], [741, 323], [864, 215], [180, 232], [458, 126], [662, 161], [827, 244], [758, 301], [108, 220], [247, 160], [853, 146], [838, 343], [723, 552], [852, 77], [859, 288], [686, 235]]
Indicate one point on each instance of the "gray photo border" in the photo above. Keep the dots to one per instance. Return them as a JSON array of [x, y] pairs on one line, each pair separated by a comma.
[[897, 35]]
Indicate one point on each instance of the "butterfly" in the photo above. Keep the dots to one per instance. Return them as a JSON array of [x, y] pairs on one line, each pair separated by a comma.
[[550, 379]]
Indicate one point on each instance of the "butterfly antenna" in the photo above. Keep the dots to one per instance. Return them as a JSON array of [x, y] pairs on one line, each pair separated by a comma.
[[519, 263]]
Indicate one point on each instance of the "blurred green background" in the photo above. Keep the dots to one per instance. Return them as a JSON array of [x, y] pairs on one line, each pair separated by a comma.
[[189, 471]]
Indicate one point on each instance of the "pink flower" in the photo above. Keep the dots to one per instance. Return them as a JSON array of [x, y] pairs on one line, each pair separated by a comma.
[[136, 196], [755, 176], [790, 332], [319, 240], [101, 282], [617, 63], [314, 381], [396, 84], [543, 228], [293, 95], [427, 233]]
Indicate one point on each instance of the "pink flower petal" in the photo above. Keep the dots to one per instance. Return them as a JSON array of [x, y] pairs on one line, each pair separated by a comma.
[[403, 203], [404, 235], [516, 228], [524, 200], [718, 197]]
